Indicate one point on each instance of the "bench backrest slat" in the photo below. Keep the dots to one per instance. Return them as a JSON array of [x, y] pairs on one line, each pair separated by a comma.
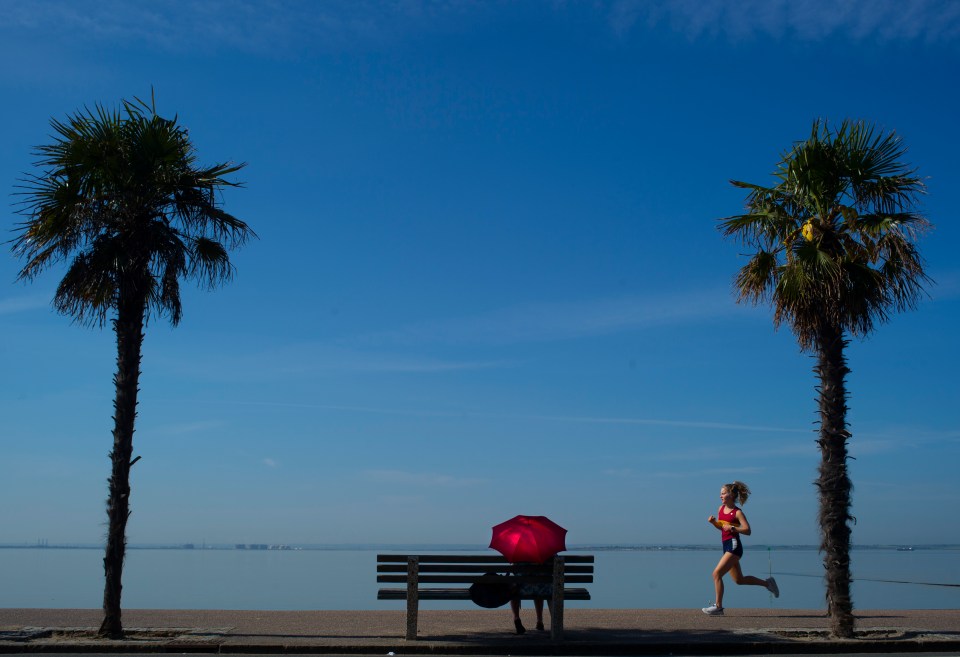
[[463, 579], [471, 558], [433, 568]]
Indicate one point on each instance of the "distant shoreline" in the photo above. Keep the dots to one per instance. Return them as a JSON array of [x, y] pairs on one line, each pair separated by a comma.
[[437, 547]]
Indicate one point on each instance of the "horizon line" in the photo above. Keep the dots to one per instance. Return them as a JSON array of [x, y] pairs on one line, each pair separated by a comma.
[[455, 547]]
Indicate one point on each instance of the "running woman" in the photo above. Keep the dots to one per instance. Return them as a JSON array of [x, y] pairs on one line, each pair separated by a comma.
[[732, 524]]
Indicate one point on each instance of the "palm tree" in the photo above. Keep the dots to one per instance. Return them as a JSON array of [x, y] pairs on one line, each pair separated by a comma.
[[835, 255], [120, 197]]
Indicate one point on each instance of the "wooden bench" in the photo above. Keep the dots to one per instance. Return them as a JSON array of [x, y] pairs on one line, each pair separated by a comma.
[[447, 577]]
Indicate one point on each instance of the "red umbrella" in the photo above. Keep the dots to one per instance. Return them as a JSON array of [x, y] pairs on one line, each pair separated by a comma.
[[531, 539]]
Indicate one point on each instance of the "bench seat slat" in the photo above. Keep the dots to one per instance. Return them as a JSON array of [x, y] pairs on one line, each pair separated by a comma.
[[470, 579], [479, 569], [464, 594], [470, 558]]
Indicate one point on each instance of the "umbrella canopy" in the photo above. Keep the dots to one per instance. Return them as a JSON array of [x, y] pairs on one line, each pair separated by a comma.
[[531, 539]]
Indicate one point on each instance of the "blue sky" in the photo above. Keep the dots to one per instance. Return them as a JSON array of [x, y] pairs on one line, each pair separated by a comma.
[[488, 279]]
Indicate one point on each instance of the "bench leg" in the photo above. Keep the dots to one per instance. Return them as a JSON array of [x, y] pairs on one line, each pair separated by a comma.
[[413, 596], [556, 609]]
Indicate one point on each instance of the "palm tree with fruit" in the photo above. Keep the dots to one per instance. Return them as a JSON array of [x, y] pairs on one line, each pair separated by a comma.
[[835, 254]]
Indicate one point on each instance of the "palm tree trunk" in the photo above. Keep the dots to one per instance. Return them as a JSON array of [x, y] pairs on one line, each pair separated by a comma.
[[834, 482], [129, 329]]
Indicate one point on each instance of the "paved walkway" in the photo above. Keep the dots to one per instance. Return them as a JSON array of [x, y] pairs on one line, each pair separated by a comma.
[[588, 632]]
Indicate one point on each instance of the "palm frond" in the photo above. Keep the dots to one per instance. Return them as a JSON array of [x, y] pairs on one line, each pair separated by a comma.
[[757, 279], [121, 192], [855, 259]]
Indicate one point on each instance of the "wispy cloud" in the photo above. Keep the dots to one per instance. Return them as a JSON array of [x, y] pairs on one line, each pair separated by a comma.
[[928, 21], [620, 472], [286, 27], [706, 425], [12, 306], [684, 473], [340, 408], [428, 479], [692, 450], [564, 320], [301, 359], [901, 438], [946, 285], [420, 347], [277, 26], [684, 424], [187, 428]]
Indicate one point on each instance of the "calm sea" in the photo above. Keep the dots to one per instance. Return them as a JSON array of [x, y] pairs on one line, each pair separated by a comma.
[[924, 578]]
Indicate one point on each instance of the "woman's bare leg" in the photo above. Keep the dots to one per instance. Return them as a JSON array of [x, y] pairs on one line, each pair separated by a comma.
[[740, 579], [726, 563], [515, 608]]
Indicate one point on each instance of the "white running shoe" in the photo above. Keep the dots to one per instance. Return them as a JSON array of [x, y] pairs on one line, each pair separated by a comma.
[[713, 610], [772, 587]]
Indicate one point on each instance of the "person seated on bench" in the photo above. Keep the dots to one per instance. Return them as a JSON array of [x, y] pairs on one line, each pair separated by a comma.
[[540, 593]]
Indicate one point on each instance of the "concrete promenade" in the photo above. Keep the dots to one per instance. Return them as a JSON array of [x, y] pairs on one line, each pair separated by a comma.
[[588, 632]]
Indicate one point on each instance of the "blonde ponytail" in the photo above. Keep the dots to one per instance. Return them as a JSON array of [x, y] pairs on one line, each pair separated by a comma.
[[740, 491]]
